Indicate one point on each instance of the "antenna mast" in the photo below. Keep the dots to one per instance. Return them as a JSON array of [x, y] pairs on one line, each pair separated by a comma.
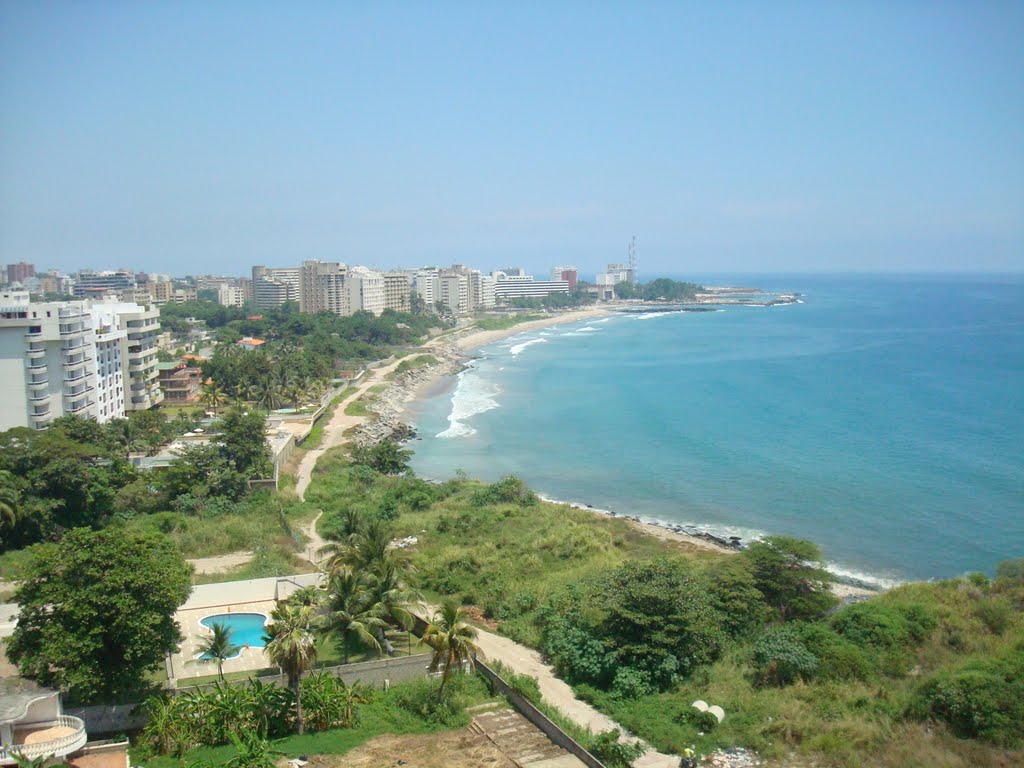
[[632, 260]]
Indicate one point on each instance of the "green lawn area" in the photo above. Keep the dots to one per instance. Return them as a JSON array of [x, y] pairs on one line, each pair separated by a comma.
[[501, 323], [360, 406]]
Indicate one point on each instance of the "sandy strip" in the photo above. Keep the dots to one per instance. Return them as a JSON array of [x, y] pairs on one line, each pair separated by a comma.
[[478, 338]]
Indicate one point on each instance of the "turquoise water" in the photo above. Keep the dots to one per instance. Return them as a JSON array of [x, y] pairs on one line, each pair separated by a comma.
[[247, 629], [882, 418]]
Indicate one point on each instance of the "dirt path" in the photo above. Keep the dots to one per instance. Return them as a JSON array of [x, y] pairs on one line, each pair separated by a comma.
[[220, 563]]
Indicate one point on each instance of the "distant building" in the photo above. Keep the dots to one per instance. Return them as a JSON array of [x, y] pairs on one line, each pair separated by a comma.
[[249, 343], [365, 290], [571, 275], [230, 296], [425, 285], [398, 291], [273, 286], [20, 272], [323, 288], [98, 285], [520, 287]]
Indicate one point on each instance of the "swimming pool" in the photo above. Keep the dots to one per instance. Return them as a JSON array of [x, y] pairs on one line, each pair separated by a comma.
[[246, 628]]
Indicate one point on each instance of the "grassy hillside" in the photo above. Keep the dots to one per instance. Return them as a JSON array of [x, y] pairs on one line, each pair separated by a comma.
[[930, 674]]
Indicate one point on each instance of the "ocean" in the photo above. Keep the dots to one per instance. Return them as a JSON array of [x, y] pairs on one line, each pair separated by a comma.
[[882, 418]]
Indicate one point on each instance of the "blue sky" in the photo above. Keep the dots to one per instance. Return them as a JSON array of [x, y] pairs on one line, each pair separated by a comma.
[[193, 137]]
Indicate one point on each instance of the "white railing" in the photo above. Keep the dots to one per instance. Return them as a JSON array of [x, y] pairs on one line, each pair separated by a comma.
[[62, 745]]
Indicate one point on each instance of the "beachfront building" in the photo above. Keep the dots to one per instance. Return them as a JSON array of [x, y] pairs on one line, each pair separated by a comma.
[[179, 381], [425, 285], [47, 361], [398, 291], [139, 348], [521, 285], [571, 275], [365, 290], [323, 288]]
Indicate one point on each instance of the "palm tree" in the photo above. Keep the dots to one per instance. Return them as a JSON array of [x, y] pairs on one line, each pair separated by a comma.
[[10, 503], [218, 646], [292, 646], [212, 396], [349, 611], [390, 596], [452, 641], [269, 395], [351, 695]]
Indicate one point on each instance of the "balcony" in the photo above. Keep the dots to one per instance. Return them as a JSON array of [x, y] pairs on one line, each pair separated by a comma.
[[39, 396], [71, 378], [35, 366], [80, 389], [79, 406], [70, 312], [72, 345], [38, 381], [34, 333], [58, 739], [71, 329], [35, 354]]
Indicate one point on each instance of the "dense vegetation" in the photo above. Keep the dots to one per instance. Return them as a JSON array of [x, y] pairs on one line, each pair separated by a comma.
[[661, 289], [76, 475], [926, 674], [97, 613]]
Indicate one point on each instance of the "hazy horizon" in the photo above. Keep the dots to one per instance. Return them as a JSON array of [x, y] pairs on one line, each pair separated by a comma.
[[732, 138]]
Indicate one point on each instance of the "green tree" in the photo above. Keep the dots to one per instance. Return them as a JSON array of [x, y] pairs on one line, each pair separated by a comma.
[[244, 443], [386, 457], [98, 614], [452, 640], [790, 575], [218, 646], [10, 506], [292, 646]]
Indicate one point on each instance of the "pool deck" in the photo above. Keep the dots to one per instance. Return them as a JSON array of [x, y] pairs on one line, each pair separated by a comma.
[[189, 620]]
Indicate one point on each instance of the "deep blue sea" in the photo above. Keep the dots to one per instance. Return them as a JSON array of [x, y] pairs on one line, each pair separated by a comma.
[[883, 418]]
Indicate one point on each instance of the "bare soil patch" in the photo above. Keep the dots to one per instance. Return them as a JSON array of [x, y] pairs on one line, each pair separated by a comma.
[[463, 748]]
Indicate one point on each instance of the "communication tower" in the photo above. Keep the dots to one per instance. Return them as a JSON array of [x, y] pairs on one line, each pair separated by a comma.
[[632, 260]]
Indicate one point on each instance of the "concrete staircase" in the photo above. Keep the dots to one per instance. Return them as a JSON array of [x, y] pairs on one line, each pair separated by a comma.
[[519, 739]]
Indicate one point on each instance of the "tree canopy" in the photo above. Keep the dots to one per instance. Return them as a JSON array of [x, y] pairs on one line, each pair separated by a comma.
[[97, 613]]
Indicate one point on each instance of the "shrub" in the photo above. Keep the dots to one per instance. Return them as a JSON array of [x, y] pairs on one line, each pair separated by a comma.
[[996, 613], [631, 683], [607, 748], [884, 626], [976, 703], [780, 658], [420, 698], [525, 685], [838, 658], [508, 490]]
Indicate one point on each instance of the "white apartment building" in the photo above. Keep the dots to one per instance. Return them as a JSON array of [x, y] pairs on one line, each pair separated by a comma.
[[230, 295], [524, 286], [111, 387], [47, 361], [425, 285], [273, 286], [454, 292], [138, 349], [365, 290], [90, 284]]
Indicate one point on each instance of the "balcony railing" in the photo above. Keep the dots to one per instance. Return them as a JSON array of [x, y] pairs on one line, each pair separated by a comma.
[[77, 390], [72, 329], [35, 365], [80, 406], [59, 746], [70, 312], [37, 353], [38, 396]]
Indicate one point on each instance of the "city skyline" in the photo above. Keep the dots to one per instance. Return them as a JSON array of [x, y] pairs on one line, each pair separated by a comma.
[[737, 138]]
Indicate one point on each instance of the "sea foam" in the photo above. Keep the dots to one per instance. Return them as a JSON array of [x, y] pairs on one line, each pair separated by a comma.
[[473, 395], [515, 350]]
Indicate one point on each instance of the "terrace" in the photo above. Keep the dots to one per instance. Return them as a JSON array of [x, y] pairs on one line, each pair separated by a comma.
[[32, 723]]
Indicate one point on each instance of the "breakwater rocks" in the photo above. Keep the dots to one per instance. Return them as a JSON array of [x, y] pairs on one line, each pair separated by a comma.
[[386, 422]]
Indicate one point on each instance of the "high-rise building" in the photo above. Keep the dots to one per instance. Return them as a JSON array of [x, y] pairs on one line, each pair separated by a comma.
[[425, 285], [230, 295], [138, 350], [47, 354], [161, 292], [273, 286], [323, 288], [454, 291], [365, 290], [397, 291]]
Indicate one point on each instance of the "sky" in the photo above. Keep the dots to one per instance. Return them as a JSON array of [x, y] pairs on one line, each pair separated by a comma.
[[205, 137]]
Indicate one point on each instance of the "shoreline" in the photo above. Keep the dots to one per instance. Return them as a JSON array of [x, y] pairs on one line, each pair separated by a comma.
[[455, 350]]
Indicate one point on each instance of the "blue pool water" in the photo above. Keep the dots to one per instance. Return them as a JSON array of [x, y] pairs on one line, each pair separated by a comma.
[[246, 628]]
